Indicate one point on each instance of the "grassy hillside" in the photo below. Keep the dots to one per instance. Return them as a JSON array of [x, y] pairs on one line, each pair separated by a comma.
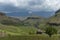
[[15, 26], [19, 30], [54, 21], [15, 29], [55, 18]]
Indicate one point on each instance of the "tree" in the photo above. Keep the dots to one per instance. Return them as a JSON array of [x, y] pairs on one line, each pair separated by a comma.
[[50, 31]]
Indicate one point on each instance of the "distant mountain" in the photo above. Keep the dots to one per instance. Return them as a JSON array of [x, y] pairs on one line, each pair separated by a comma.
[[25, 14], [14, 11]]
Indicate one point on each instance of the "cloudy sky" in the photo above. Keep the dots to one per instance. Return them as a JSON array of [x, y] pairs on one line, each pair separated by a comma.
[[33, 5]]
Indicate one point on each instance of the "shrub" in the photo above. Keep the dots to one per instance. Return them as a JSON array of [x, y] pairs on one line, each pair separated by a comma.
[[50, 31]]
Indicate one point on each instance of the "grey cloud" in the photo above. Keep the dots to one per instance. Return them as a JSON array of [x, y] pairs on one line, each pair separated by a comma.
[[34, 5]]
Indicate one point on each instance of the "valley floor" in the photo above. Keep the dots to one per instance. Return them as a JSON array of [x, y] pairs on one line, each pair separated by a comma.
[[31, 37]]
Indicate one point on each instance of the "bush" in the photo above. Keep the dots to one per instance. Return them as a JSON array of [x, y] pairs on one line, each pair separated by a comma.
[[50, 31]]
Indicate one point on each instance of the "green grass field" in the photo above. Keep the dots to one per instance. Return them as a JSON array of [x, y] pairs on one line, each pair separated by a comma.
[[31, 37], [19, 30], [22, 33]]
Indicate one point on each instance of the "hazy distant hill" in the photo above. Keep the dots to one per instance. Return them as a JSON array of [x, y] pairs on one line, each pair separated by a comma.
[[25, 13]]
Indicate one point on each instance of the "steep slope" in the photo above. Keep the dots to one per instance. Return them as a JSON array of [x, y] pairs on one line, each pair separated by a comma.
[[55, 20]]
